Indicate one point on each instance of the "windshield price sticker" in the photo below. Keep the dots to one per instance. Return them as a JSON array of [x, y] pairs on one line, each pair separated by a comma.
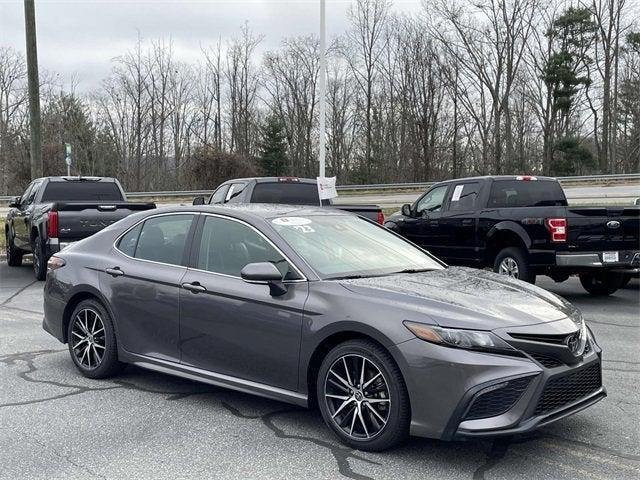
[[291, 221]]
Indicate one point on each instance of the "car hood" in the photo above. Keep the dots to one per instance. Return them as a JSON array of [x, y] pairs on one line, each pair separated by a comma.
[[461, 297]]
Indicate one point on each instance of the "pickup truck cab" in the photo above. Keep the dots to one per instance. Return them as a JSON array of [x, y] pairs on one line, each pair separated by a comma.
[[522, 226], [282, 190], [54, 212]]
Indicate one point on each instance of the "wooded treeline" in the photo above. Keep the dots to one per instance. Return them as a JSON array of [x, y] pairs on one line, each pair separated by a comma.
[[464, 88]]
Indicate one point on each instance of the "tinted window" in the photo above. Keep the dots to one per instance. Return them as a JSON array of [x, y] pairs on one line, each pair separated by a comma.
[[219, 195], [26, 194], [432, 201], [80, 191], [290, 193], [234, 192], [228, 246], [128, 242], [464, 197], [523, 193], [34, 191], [163, 239]]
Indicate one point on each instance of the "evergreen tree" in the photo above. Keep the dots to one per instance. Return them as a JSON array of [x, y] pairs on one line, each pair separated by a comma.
[[273, 148]]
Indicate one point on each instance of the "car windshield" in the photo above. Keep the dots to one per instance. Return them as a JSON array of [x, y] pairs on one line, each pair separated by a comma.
[[342, 246]]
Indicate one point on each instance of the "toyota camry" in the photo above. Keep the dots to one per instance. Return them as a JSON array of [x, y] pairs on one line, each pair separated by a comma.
[[324, 309]]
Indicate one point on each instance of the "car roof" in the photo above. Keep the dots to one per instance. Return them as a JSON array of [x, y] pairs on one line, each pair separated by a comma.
[[255, 211], [282, 179], [496, 177]]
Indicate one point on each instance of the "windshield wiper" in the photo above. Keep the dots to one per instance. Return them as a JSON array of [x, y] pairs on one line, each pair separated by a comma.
[[415, 270], [349, 277]]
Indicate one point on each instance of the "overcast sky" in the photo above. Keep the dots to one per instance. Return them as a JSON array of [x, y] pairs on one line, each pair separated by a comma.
[[80, 37]]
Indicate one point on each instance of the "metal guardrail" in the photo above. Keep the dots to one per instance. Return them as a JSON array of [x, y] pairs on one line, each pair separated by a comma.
[[381, 186]]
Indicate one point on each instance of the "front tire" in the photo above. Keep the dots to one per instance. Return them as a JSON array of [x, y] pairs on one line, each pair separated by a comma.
[[92, 341], [14, 256], [513, 262], [601, 283], [362, 396]]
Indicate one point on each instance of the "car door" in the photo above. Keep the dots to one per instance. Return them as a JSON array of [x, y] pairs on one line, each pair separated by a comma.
[[142, 282], [21, 224], [236, 328], [457, 224], [422, 227]]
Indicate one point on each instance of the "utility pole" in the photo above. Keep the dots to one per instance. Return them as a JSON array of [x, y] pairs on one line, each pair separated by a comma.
[[323, 87], [34, 88]]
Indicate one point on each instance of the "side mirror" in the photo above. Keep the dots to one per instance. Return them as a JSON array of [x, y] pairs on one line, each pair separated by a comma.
[[14, 202], [198, 201], [406, 210], [264, 273]]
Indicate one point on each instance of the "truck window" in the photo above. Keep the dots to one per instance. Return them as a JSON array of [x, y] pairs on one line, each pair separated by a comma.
[[464, 197], [219, 195], [290, 193], [81, 191], [432, 201], [234, 192], [526, 193]]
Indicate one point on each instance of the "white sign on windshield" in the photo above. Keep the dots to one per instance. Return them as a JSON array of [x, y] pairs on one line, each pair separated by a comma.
[[327, 187]]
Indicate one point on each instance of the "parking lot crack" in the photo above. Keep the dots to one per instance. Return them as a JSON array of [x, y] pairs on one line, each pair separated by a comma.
[[16, 293], [340, 453]]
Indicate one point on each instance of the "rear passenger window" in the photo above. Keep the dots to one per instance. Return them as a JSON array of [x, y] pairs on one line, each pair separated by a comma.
[[163, 239], [526, 193], [464, 197], [129, 241]]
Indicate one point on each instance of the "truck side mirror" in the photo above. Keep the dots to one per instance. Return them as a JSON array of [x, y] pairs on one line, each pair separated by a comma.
[[406, 210], [198, 201], [14, 202]]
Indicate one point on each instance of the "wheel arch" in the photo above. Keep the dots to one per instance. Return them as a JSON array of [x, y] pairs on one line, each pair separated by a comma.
[[503, 235], [84, 293]]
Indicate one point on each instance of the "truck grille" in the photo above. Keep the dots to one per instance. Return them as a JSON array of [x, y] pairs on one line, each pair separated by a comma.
[[498, 401], [567, 389]]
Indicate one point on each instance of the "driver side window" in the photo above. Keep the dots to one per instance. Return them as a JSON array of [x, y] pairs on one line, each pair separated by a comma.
[[432, 201]]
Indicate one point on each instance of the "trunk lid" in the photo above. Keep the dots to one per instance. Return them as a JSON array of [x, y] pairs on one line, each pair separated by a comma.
[[603, 228]]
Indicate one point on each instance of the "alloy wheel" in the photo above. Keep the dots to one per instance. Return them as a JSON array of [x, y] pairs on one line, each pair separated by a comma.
[[357, 397], [509, 267], [88, 338]]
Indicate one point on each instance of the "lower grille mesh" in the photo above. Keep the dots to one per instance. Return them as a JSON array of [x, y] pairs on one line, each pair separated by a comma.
[[497, 402], [563, 390], [546, 361]]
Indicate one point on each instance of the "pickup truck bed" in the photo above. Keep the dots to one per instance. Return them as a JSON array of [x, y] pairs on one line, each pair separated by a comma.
[[523, 227]]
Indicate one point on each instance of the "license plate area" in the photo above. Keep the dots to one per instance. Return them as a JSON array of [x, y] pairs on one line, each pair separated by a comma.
[[610, 257]]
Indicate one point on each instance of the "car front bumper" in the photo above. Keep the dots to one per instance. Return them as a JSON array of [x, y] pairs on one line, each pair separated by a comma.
[[446, 384]]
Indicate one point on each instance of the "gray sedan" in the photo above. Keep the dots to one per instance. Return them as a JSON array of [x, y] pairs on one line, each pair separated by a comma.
[[319, 307]]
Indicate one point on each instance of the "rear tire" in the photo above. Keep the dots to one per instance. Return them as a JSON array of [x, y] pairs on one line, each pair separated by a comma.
[[626, 279], [375, 412], [39, 260], [601, 283], [92, 341], [14, 256], [513, 262]]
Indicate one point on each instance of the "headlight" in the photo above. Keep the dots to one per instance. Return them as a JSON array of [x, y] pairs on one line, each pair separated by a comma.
[[453, 337]]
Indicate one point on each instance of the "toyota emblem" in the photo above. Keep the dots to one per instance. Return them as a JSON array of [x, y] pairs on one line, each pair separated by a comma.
[[573, 343]]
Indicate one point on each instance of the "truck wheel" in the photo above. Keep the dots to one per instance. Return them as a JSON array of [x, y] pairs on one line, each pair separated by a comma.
[[39, 260], [625, 280], [512, 262], [14, 256], [601, 283]]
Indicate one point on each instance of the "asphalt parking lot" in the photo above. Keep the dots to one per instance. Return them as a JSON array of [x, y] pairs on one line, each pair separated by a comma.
[[54, 423]]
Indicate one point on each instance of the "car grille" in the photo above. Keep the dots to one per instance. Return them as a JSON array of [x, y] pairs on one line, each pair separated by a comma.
[[545, 360], [498, 401], [567, 389]]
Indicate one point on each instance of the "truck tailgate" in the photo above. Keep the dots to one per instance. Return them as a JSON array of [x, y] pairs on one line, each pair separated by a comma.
[[81, 220], [604, 228]]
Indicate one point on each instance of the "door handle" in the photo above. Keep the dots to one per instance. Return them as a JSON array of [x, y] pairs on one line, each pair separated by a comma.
[[467, 221], [114, 272], [434, 223], [194, 287]]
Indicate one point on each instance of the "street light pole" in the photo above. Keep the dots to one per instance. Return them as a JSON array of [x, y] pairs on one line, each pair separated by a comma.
[[323, 88], [34, 88]]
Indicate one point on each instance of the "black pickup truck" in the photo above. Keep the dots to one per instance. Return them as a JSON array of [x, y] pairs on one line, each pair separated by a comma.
[[284, 190], [522, 226], [54, 212]]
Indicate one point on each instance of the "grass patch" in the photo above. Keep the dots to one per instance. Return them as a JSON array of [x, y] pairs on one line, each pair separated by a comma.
[[2, 245]]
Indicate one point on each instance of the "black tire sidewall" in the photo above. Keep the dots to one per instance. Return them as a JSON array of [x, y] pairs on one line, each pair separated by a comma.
[[110, 364], [39, 261], [602, 283], [14, 257], [397, 427], [525, 272]]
